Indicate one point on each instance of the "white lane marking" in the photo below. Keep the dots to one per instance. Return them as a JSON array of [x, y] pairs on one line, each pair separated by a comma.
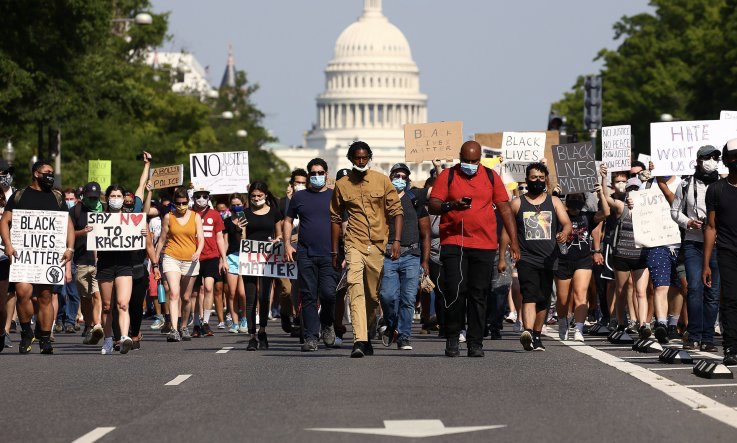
[[178, 380], [690, 368], [224, 350], [94, 435], [691, 398], [639, 357], [411, 429], [615, 347], [719, 385]]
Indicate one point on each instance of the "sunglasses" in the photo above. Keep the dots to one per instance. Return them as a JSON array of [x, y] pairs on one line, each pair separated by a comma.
[[314, 173], [402, 176], [180, 204], [714, 156]]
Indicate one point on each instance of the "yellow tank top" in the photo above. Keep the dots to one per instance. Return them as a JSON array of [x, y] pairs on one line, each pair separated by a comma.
[[181, 241]]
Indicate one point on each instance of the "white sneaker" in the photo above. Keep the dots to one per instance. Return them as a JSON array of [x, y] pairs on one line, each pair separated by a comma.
[[221, 325], [578, 336], [107, 346], [338, 342], [462, 337], [125, 344], [511, 317], [518, 326], [563, 330]]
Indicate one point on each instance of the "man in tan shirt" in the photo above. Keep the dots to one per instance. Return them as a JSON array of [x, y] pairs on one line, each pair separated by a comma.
[[368, 198]]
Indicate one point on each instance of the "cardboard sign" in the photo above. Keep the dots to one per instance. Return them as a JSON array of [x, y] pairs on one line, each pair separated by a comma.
[[519, 149], [99, 171], [616, 147], [651, 221], [673, 145], [727, 115], [115, 232], [167, 176], [40, 239], [576, 166], [220, 172], [494, 140], [428, 141], [265, 259]]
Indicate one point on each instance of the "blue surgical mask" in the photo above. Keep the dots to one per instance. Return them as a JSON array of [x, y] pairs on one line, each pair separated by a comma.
[[70, 203], [399, 184], [317, 181], [469, 169]]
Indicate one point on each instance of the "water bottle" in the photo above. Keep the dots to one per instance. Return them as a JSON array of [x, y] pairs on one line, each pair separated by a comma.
[[161, 293]]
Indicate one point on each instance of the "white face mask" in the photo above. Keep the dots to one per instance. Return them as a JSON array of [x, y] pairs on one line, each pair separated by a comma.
[[359, 169], [258, 203], [620, 187], [710, 165], [115, 203], [298, 188], [202, 202]]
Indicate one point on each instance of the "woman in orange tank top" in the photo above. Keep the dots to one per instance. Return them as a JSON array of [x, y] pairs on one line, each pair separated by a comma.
[[182, 239]]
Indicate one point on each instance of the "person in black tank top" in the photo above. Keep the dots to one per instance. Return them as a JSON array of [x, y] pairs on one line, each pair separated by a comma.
[[542, 222]]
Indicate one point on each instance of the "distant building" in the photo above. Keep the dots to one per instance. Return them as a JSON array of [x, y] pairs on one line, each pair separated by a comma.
[[372, 88], [189, 75]]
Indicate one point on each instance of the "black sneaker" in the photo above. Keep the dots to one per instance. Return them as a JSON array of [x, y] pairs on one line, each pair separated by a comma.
[[26, 340], [690, 346], [451, 347], [286, 324], [368, 348], [263, 342], [358, 350], [527, 341], [661, 333], [309, 346], [46, 347], [252, 344], [206, 331], [537, 343], [730, 357], [487, 331], [495, 334], [166, 328], [475, 351], [388, 335], [644, 332], [673, 332], [708, 347], [196, 331], [403, 344]]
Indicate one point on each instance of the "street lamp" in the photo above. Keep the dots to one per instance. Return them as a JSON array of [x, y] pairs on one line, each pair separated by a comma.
[[227, 115], [666, 118], [143, 18], [9, 153], [122, 25], [241, 133]]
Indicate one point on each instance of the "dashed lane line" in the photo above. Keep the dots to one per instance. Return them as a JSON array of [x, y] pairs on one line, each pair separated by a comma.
[[224, 350], [94, 435], [716, 385], [178, 380]]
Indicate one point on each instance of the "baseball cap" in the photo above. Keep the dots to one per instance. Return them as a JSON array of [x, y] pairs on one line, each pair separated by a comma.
[[5, 167], [91, 189], [400, 166], [634, 181], [200, 189], [706, 150]]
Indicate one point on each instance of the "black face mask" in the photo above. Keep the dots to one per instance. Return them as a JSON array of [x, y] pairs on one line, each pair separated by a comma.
[[535, 187], [575, 205], [732, 167], [46, 181]]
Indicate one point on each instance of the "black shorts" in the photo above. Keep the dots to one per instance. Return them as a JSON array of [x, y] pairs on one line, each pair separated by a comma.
[[535, 284], [209, 268], [4, 270], [109, 272], [566, 268], [628, 264]]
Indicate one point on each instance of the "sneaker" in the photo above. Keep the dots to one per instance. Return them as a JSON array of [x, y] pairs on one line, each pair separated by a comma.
[[184, 333], [58, 327], [661, 333], [46, 347], [451, 347], [388, 335], [286, 324], [26, 340], [96, 335], [243, 325], [87, 334], [518, 326], [631, 327], [690, 346], [328, 335], [271, 316], [107, 346], [537, 344], [166, 329], [173, 336], [263, 341], [136, 345], [158, 323], [511, 317], [7, 343], [196, 331], [673, 332], [368, 348], [69, 329], [358, 351], [578, 336], [563, 330], [338, 342], [252, 344], [233, 328], [526, 340], [708, 347], [403, 344], [730, 357], [221, 325], [76, 326], [495, 334], [309, 346], [52, 337], [462, 337], [125, 344], [206, 331], [644, 331], [475, 351]]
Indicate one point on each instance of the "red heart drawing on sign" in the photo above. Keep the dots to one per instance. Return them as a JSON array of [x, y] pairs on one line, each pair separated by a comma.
[[136, 219]]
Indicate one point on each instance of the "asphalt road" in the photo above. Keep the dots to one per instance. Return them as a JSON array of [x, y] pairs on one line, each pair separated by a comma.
[[568, 393]]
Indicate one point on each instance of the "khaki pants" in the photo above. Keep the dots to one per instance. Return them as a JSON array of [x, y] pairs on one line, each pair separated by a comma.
[[363, 277]]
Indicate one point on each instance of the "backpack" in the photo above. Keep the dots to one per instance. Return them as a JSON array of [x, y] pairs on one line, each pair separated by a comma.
[[59, 197]]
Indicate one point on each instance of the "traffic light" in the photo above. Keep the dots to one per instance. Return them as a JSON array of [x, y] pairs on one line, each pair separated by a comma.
[[592, 102], [557, 122]]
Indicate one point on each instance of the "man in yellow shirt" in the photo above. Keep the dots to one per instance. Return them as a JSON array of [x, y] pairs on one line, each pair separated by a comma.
[[367, 198]]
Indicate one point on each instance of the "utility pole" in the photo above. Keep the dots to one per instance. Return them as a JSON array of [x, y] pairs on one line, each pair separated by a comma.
[[592, 106]]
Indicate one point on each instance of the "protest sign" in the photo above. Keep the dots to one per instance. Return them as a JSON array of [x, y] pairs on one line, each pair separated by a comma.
[[115, 232], [428, 141], [519, 149], [727, 115], [167, 176], [494, 141], [673, 145], [99, 171], [265, 259], [644, 159], [651, 221], [576, 167], [39, 239], [491, 158], [220, 172], [616, 147]]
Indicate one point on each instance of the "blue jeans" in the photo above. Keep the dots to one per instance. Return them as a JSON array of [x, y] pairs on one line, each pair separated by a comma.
[[68, 302], [317, 280], [702, 302], [399, 292]]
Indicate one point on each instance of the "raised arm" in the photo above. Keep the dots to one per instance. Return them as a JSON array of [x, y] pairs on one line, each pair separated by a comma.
[[144, 175]]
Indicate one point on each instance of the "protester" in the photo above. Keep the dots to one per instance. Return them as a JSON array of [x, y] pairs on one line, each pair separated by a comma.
[[8, 309], [317, 278], [285, 288], [40, 196], [235, 226], [369, 199]]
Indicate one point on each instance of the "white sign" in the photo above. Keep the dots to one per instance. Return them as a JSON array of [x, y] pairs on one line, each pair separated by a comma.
[[220, 172], [265, 259], [40, 239], [616, 143], [644, 159], [519, 149], [116, 232], [673, 145], [651, 221], [727, 115]]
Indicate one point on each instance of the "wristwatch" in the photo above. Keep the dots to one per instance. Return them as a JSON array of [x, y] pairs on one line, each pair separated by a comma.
[[446, 207]]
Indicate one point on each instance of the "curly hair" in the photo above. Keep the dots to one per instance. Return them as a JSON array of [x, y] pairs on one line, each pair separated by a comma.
[[357, 145]]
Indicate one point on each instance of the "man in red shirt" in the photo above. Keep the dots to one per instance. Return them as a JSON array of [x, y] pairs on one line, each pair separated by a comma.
[[212, 260], [464, 196]]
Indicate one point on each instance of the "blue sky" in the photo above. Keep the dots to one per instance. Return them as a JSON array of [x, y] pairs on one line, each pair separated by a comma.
[[495, 65]]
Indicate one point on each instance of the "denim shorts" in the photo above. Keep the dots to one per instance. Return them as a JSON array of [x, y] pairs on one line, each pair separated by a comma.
[[663, 267]]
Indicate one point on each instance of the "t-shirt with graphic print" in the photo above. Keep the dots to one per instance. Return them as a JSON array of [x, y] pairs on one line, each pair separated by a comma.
[[212, 223], [579, 240]]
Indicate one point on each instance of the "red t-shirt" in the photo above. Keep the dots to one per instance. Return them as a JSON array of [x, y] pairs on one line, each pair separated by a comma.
[[212, 223], [479, 222]]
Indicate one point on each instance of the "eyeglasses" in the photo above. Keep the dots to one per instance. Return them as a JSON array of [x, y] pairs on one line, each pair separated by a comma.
[[314, 173]]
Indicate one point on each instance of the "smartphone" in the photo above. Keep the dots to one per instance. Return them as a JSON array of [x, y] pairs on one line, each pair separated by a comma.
[[467, 200], [240, 215], [139, 157]]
